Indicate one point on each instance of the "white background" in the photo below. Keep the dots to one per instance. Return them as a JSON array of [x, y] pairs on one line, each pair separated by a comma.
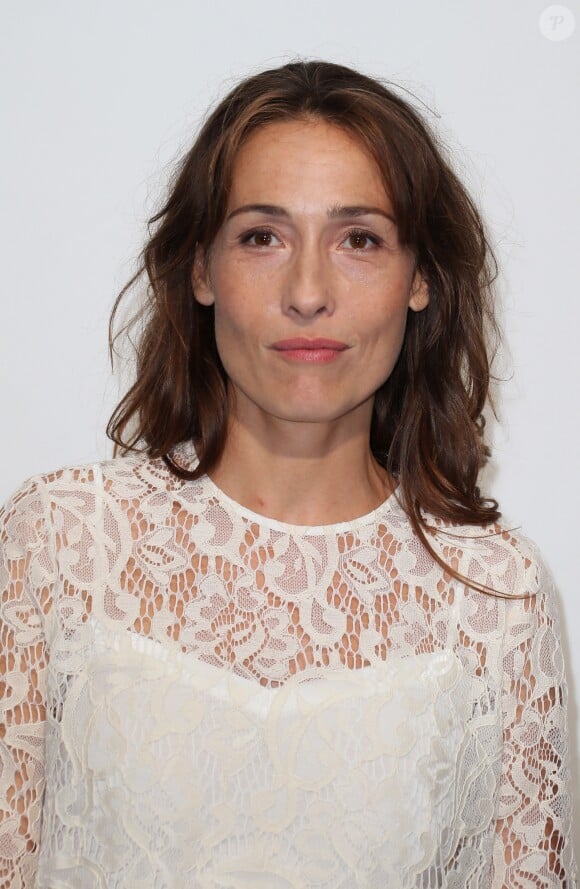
[[98, 99]]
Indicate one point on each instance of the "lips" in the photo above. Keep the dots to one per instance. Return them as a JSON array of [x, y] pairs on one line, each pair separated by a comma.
[[318, 351], [302, 343]]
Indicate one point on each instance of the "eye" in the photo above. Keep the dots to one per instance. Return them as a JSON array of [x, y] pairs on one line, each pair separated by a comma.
[[360, 240], [259, 237]]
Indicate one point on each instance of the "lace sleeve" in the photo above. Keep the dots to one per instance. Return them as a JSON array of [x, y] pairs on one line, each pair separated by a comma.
[[26, 578], [533, 842]]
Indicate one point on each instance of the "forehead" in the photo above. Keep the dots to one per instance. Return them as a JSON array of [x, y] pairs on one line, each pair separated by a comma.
[[305, 158]]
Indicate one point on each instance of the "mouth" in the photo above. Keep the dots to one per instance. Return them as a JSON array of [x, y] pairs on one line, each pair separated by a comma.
[[303, 344], [315, 351]]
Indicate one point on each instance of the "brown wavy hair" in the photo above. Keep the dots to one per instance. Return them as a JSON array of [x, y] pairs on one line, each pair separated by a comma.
[[427, 426]]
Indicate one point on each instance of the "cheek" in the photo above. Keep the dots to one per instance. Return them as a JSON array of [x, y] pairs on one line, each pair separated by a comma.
[[381, 337], [377, 292], [238, 322], [247, 305], [379, 316], [230, 298], [239, 294], [230, 335]]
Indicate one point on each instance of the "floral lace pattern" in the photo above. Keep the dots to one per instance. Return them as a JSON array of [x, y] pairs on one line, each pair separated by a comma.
[[196, 695]]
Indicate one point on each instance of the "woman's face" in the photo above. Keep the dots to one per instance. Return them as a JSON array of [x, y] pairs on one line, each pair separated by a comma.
[[308, 250]]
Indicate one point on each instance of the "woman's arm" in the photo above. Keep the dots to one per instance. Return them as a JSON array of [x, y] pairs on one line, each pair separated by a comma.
[[533, 843], [26, 583]]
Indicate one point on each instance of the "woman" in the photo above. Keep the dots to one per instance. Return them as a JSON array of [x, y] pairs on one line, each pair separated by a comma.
[[283, 640]]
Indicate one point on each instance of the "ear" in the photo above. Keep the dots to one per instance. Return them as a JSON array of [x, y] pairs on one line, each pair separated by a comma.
[[200, 282], [419, 296]]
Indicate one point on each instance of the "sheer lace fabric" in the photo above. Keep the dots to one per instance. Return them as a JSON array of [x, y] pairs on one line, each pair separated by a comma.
[[200, 696]]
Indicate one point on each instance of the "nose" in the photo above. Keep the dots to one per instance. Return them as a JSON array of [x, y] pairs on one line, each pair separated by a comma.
[[307, 288]]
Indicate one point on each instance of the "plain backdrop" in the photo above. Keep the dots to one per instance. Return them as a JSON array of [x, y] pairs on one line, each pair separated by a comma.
[[98, 100]]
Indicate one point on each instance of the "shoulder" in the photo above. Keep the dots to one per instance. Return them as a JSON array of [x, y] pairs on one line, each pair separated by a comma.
[[131, 476], [500, 556], [520, 606], [82, 493], [133, 469]]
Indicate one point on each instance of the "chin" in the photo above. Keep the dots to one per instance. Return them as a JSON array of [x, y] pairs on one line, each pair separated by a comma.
[[301, 404], [315, 413]]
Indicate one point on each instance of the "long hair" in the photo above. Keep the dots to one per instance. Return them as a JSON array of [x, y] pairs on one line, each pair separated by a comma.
[[427, 425]]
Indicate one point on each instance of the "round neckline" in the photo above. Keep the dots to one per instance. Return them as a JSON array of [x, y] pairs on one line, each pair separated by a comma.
[[289, 527]]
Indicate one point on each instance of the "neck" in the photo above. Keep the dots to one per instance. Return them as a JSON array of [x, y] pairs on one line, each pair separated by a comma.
[[302, 473]]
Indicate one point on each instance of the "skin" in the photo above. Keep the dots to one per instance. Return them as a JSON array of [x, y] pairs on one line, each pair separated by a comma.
[[298, 431]]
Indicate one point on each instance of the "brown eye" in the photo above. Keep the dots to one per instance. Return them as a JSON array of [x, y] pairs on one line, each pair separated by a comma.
[[357, 240], [259, 237], [360, 240]]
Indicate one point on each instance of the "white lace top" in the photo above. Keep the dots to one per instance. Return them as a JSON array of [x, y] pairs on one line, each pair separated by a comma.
[[199, 696]]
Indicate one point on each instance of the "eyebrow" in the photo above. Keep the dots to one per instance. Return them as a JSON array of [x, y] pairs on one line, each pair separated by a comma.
[[336, 212]]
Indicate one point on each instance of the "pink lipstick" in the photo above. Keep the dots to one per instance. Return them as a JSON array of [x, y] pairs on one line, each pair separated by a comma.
[[315, 351]]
